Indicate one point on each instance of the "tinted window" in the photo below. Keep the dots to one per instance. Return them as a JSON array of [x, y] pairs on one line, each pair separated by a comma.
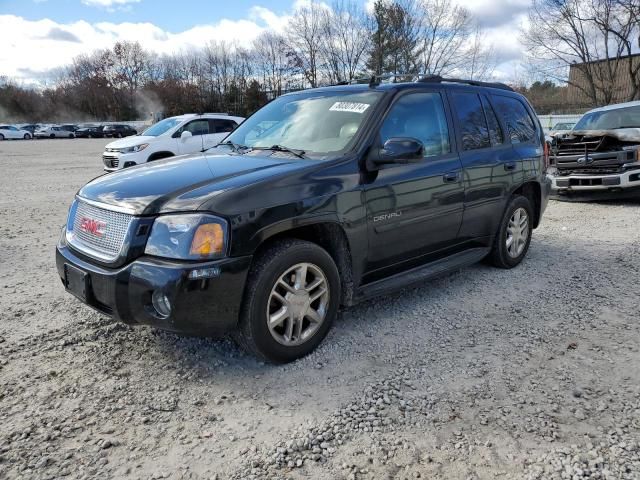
[[495, 132], [196, 127], [420, 116], [471, 120], [520, 126], [222, 126]]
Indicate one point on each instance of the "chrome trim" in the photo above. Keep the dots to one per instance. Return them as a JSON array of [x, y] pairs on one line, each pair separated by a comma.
[[106, 206]]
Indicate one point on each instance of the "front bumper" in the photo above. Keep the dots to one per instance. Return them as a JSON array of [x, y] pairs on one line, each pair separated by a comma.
[[596, 182], [114, 160], [208, 306]]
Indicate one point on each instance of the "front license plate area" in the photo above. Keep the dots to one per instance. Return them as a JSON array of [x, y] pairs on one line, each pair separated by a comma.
[[76, 281]]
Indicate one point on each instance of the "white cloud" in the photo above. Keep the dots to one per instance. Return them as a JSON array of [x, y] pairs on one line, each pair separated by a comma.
[[30, 49], [108, 3]]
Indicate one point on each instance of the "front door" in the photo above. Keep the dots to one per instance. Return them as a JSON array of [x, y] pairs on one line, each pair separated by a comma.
[[196, 142], [415, 209]]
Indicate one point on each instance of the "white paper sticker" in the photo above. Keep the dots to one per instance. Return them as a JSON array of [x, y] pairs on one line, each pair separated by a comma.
[[349, 107]]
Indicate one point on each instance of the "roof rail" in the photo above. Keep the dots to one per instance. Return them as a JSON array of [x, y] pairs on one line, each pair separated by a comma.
[[376, 80]]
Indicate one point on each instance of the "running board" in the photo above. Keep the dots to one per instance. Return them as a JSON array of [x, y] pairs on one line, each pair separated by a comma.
[[420, 274]]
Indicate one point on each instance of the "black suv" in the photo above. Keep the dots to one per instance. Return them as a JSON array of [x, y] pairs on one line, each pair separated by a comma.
[[321, 199], [118, 131]]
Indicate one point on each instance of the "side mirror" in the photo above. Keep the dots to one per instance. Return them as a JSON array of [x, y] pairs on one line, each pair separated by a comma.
[[399, 150], [186, 134]]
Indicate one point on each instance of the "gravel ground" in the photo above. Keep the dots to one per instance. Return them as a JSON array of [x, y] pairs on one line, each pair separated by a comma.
[[532, 373]]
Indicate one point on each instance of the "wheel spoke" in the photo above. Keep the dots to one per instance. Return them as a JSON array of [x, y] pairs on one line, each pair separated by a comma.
[[314, 315], [317, 294], [315, 284], [284, 284], [301, 277], [276, 318], [289, 333]]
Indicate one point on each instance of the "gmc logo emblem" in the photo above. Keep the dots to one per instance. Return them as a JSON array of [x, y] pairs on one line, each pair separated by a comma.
[[93, 227]]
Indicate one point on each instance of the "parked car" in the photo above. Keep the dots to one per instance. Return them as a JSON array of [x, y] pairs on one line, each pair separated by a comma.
[[561, 128], [321, 199], [118, 131], [10, 132], [53, 131], [29, 127], [180, 135], [70, 127], [600, 156], [94, 131]]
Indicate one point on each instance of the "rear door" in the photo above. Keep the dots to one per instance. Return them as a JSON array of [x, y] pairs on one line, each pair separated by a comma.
[[220, 128], [415, 209], [490, 166]]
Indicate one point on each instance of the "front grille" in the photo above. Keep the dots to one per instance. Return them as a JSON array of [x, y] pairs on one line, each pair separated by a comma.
[[107, 243], [111, 162]]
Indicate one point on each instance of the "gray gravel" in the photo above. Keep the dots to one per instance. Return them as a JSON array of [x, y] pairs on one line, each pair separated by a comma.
[[532, 373]]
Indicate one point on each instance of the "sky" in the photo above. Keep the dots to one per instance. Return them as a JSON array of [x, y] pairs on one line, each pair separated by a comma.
[[37, 36]]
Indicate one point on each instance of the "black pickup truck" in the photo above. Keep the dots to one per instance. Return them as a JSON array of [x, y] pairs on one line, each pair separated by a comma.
[[600, 157], [321, 199]]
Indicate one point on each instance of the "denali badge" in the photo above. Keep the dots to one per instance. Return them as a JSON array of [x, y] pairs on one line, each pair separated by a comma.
[[386, 216], [93, 227]]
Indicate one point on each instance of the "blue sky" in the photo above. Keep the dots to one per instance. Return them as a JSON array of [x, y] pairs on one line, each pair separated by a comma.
[[40, 36], [168, 15]]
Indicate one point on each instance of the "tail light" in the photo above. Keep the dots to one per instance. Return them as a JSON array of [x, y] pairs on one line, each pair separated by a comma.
[[545, 154]]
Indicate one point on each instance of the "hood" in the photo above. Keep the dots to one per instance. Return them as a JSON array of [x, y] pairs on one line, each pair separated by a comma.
[[130, 141], [621, 134], [183, 183]]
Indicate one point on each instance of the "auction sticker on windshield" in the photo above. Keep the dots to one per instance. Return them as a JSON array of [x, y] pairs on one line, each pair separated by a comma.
[[349, 107]]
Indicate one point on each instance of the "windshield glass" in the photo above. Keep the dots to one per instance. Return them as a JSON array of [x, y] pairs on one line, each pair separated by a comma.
[[161, 127], [316, 123], [628, 117]]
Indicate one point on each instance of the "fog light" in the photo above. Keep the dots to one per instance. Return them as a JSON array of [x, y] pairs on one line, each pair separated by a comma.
[[161, 304]]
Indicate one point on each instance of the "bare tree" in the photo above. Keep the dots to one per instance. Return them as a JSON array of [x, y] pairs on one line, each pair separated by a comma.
[[304, 35], [595, 35], [345, 40], [270, 54]]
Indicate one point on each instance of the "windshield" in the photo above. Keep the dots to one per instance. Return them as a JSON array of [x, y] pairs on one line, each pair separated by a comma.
[[161, 127], [316, 123], [628, 117]]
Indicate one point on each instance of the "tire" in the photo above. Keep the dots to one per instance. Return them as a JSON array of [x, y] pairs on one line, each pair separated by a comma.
[[279, 266], [53, 135], [118, 135], [71, 135], [26, 136], [517, 227], [1, 137]]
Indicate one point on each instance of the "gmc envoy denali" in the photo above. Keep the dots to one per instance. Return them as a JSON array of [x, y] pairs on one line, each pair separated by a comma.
[[321, 199]]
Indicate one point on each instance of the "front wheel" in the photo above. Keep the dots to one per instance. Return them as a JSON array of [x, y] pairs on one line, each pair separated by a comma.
[[27, 136], [514, 235], [1, 137], [292, 297]]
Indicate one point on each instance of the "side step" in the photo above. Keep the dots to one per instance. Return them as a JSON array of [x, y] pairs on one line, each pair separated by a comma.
[[420, 274]]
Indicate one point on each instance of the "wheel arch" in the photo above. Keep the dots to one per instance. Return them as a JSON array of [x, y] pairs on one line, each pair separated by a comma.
[[533, 192], [331, 237], [160, 155]]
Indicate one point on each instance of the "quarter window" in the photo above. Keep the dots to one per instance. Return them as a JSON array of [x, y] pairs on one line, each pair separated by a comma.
[[222, 126], [473, 124], [520, 126], [420, 116], [495, 132]]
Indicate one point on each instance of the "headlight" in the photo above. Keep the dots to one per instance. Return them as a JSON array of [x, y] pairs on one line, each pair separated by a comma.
[[135, 148], [188, 237]]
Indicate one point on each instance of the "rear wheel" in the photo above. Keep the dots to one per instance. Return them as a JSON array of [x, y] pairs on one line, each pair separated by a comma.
[[1, 137], [53, 135], [27, 136], [71, 135], [292, 297], [514, 235]]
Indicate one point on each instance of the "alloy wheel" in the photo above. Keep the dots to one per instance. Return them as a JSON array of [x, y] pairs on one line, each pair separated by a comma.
[[298, 304], [517, 232]]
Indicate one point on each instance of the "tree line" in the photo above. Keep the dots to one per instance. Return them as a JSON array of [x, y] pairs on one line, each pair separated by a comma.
[[321, 45]]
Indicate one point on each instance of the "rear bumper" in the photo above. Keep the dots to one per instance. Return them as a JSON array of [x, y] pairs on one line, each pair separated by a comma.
[[208, 307]]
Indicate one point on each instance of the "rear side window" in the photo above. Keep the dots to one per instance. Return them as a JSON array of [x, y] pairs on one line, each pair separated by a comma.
[[471, 121], [222, 126], [420, 116], [520, 125], [197, 127]]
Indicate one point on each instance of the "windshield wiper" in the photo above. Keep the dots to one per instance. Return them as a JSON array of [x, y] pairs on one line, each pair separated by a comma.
[[236, 147], [627, 126], [282, 148]]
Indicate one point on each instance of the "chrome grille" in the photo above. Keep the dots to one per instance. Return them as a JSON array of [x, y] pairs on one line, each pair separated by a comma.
[[108, 245], [110, 162]]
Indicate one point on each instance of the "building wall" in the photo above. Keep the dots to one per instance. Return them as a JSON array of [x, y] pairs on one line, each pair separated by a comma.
[[622, 88]]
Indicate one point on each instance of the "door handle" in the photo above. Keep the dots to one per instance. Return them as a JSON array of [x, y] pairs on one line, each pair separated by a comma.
[[451, 177], [510, 166]]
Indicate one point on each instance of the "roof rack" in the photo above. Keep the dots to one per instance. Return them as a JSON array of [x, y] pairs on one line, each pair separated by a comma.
[[376, 80]]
